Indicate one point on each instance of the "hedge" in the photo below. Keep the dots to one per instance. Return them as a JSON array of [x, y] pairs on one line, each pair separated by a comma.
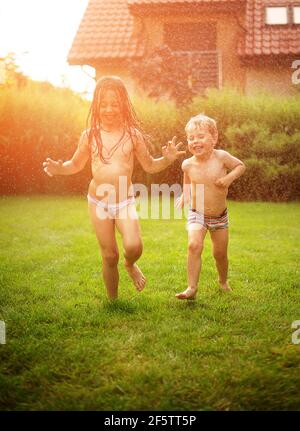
[[39, 121]]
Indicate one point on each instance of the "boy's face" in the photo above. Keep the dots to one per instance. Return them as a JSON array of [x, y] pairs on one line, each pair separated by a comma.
[[110, 109], [200, 141]]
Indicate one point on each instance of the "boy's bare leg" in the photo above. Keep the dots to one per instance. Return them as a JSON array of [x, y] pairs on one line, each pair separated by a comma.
[[195, 247], [105, 233], [128, 225], [220, 244]]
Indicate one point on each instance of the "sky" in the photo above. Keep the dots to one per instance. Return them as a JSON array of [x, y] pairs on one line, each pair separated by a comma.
[[40, 33]]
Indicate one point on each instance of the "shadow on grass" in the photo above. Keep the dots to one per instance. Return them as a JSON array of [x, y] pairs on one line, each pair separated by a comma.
[[196, 305], [122, 306]]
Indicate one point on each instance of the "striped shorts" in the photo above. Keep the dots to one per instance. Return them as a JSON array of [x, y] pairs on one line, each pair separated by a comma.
[[208, 222]]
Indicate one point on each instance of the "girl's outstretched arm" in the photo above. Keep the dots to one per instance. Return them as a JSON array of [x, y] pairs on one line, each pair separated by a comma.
[[70, 167], [170, 153]]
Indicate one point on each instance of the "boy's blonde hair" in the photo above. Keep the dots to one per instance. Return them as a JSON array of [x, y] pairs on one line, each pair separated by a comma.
[[202, 120]]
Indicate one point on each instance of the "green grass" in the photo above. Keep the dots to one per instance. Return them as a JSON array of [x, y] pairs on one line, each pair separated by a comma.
[[68, 348]]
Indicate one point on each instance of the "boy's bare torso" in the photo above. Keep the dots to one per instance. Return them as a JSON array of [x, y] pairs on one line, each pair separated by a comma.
[[206, 172]]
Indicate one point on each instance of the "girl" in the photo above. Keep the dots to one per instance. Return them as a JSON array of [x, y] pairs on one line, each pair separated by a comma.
[[113, 138]]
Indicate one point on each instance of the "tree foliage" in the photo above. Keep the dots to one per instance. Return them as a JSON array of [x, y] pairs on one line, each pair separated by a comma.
[[163, 73], [11, 73]]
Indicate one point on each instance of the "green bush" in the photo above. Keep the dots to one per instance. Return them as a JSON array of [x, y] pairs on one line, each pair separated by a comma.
[[38, 120]]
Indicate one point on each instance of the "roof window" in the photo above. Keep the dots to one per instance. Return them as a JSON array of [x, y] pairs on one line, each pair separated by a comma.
[[296, 15], [277, 15]]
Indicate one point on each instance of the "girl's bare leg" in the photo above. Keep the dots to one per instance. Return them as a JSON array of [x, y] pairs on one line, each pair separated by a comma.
[[128, 225], [195, 247], [220, 244], [105, 233]]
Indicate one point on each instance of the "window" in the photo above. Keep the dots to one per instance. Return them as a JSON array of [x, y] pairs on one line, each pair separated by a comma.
[[296, 15], [276, 15], [282, 15]]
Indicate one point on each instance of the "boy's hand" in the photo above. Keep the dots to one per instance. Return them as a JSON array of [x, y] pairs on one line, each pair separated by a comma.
[[52, 168], [171, 150], [223, 182]]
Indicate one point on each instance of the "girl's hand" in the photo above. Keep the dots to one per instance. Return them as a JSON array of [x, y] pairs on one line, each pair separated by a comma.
[[52, 168], [171, 150], [223, 182]]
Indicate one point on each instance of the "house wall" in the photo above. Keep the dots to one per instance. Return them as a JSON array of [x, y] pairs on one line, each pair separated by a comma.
[[117, 69], [270, 79], [228, 33]]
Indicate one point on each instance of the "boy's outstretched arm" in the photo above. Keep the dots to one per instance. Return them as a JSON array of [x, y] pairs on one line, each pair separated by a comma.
[[236, 167], [70, 167], [170, 153], [186, 193], [186, 188]]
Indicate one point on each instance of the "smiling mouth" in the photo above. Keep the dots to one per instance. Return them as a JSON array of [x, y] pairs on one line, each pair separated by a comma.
[[109, 117]]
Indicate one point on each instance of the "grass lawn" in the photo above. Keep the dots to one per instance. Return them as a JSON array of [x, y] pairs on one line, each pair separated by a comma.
[[68, 348]]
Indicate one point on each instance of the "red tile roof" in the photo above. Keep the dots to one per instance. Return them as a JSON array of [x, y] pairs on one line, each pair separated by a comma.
[[262, 39], [141, 7], [150, 2], [106, 31]]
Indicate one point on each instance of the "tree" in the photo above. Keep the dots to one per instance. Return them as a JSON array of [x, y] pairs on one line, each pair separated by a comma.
[[10, 71], [164, 73]]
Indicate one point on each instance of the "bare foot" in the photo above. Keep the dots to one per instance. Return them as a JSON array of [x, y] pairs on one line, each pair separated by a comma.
[[189, 293], [225, 287], [136, 275]]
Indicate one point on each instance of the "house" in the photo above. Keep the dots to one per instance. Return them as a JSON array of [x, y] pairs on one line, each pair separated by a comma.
[[251, 45]]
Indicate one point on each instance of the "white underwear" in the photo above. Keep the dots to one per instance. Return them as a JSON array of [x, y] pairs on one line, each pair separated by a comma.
[[110, 210]]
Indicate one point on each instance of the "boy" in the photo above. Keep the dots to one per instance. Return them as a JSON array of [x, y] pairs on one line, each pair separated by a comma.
[[206, 172]]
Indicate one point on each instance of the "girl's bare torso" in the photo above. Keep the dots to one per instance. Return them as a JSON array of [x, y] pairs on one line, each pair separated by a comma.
[[111, 181]]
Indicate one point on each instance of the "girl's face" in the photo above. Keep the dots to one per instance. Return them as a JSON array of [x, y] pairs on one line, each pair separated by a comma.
[[110, 110], [200, 141]]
